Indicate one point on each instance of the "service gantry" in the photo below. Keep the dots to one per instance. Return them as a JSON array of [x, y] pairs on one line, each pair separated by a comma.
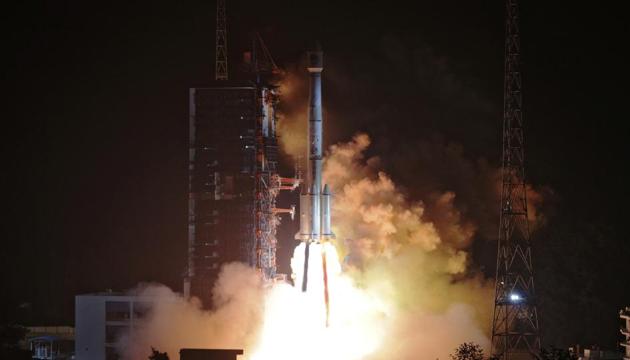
[[233, 168]]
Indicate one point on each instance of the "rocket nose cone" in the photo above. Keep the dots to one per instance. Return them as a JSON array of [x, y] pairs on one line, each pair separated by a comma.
[[326, 190]]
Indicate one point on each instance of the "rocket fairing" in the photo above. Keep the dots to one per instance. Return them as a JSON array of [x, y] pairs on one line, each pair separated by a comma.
[[315, 199]]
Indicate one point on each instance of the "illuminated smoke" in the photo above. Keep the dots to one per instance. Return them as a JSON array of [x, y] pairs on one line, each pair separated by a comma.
[[269, 322], [174, 322], [295, 326], [419, 268], [402, 287], [402, 282], [292, 117]]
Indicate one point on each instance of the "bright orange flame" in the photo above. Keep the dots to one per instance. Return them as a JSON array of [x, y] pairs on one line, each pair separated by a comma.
[[295, 322]]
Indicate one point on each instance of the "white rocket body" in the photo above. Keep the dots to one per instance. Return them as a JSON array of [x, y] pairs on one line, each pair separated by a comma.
[[315, 200]]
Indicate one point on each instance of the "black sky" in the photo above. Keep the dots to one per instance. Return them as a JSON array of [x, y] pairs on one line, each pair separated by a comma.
[[95, 132]]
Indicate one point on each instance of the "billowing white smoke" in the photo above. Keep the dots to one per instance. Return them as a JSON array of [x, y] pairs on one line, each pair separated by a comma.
[[174, 322], [418, 267], [399, 288]]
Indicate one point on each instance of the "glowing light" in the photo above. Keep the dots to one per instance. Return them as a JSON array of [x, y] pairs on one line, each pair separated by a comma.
[[514, 297], [295, 320]]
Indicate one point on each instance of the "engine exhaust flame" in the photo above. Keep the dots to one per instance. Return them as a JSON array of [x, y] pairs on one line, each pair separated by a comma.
[[326, 293], [295, 322]]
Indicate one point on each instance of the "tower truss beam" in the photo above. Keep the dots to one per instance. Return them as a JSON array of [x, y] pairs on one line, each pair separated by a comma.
[[515, 327], [221, 64]]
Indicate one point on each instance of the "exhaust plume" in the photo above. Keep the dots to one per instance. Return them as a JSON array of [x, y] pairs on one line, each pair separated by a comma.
[[402, 282], [400, 286]]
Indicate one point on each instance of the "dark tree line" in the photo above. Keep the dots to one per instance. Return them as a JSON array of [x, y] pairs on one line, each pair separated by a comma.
[[472, 351], [157, 355]]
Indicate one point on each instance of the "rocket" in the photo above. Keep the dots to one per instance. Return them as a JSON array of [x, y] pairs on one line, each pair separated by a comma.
[[315, 199]]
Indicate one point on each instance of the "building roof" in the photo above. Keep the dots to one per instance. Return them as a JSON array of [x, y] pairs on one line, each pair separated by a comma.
[[209, 354], [45, 338], [228, 84]]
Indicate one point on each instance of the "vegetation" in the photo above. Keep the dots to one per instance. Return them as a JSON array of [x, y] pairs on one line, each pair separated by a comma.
[[156, 355], [468, 351], [554, 353], [472, 351], [10, 337]]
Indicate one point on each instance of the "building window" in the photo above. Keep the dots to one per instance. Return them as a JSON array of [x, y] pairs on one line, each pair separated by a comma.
[[117, 311], [114, 332], [140, 309], [111, 353]]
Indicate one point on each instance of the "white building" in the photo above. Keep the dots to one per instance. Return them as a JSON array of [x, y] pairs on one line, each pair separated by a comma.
[[101, 318], [624, 314], [597, 354]]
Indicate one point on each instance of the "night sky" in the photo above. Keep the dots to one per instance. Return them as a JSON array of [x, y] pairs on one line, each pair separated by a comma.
[[95, 134]]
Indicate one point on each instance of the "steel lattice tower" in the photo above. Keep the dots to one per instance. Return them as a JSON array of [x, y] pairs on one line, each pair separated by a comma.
[[515, 328], [221, 65]]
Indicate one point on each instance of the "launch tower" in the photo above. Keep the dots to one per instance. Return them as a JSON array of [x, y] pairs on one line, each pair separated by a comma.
[[233, 169], [515, 328]]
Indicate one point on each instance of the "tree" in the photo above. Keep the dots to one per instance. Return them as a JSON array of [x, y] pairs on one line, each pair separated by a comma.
[[468, 351], [10, 337], [156, 355]]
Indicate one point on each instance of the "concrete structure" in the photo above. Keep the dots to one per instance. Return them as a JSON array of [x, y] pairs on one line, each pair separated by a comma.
[[597, 354], [209, 354], [63, 332], [100, 320], [50, 342], [51, 348], [624, 315], [594, 353]]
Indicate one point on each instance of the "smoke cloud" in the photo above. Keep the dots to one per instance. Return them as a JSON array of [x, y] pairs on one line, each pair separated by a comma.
[[404, 283], [419, 267], [403, 288], [174, 322], [292, 117]]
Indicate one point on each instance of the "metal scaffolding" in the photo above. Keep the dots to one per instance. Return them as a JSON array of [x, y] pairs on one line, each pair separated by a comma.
[[233, 169], [221, 64], [268, 184]]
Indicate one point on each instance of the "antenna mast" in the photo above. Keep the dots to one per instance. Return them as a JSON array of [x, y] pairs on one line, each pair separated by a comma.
[[221, 65], [515, 328]]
